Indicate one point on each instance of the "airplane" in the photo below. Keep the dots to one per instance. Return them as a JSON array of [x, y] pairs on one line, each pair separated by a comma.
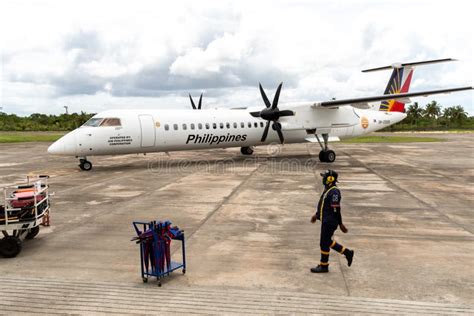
[[117, 132]]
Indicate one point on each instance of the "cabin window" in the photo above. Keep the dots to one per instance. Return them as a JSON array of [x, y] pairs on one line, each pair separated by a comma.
[[207, 126], [175, 126], [192, 126], [221, 125], [255, 124], [249, 125], [261, 124], [111, 122], [235, 125], [184, 127], [242, 124], [214, 125], [167, 127], [93, 122], [200, 126]]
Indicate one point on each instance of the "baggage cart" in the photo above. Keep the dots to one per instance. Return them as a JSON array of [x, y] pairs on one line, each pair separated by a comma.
[[25, 208]]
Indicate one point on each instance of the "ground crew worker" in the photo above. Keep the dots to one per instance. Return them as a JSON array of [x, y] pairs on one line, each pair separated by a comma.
[[329, 213]]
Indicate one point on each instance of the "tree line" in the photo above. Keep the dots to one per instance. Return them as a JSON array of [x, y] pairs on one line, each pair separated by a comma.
[[43, 122], [433, 117]]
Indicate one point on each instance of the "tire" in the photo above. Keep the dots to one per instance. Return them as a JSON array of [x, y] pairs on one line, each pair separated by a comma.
[[330, 156], [85, 165], [32, 233], [10, 247], [246, 151], [322, 156]]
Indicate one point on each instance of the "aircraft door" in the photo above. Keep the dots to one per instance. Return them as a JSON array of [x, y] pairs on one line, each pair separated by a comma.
[[147, 125]]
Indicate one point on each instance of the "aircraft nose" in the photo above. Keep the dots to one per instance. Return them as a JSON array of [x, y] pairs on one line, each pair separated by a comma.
[[66, 145], [57, 148]]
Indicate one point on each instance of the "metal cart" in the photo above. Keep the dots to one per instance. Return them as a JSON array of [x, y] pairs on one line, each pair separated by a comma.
[[155, 254], [26, 207]]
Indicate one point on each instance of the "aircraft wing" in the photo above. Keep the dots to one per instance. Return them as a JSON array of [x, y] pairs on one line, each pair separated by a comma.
[[363, 102]]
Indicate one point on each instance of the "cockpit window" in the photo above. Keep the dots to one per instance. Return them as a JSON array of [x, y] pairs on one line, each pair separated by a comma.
[[93, 122], [111, 122]]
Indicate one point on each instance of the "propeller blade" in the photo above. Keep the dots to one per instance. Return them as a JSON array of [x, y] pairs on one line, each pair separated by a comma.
[[192, 102], [265, 132], [200, 102], [255, 114], [276, 97], [286, 113], [264, 96], [277, 127]]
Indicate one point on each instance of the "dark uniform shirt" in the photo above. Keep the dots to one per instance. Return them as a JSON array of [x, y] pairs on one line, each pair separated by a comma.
[[329, 206]]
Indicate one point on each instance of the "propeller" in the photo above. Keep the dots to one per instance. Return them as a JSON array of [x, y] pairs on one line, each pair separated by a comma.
[[194, 105], [272, 114]]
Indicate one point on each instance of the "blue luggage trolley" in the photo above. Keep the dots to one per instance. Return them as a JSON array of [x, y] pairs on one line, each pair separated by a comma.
[[155, 254]]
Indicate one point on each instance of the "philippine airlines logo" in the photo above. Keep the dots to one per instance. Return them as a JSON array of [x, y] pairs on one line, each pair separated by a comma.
[[364, 122]]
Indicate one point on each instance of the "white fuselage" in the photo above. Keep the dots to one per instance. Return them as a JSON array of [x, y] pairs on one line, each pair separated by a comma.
[[143, 131]]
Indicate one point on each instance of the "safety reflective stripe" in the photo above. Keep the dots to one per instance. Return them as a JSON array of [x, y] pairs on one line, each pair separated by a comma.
[[325, 252], [333, 244], [324, 263], [322, 203], [343, 249]]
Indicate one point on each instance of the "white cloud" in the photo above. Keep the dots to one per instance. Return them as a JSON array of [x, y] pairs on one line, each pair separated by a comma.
[[97, 55]]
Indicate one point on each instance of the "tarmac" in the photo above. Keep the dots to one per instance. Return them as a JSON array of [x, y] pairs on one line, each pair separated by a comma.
[[250, 243]]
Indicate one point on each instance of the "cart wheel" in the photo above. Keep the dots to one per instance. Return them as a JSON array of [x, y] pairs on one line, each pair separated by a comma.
[[184, 271], [10, 246], [32, 233], [145, 280]]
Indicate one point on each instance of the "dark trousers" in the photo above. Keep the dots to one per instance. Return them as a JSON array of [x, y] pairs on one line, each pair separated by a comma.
[[326, 243]]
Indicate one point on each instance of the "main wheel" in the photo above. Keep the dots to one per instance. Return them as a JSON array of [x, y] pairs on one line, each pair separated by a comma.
[[322, 156], [330, 156], [327, 156], [10, 246], [32, 233], [85, 165], [246, 150]]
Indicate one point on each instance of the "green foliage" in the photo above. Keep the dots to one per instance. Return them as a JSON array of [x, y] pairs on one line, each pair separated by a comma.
[[431, 117], [20, 137], [42, 122]]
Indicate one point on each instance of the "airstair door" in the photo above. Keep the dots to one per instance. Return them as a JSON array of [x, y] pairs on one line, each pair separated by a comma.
[[147, 125]]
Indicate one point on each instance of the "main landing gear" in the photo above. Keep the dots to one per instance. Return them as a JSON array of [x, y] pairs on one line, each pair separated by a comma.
[[85, 164], [325, 155], [246, 150]]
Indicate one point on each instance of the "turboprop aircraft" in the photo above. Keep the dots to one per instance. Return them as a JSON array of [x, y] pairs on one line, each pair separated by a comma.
[[116, 132]]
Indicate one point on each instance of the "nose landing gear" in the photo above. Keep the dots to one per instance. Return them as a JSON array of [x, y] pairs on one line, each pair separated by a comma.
[[85, 164]]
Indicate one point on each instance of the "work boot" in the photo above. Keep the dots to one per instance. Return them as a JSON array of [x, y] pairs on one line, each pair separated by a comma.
[[320, 269], [349, 257]]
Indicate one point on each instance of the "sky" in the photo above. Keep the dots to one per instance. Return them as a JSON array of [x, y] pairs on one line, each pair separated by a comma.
[[98, 55]]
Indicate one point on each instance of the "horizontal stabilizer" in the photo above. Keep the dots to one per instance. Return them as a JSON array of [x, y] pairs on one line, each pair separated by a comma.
[[418, 63]]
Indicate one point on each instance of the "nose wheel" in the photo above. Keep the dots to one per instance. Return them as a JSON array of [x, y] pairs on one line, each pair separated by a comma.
[[85, 164]]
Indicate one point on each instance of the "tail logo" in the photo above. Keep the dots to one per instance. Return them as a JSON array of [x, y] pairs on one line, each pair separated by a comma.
[[364, 122], [399, 83]]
